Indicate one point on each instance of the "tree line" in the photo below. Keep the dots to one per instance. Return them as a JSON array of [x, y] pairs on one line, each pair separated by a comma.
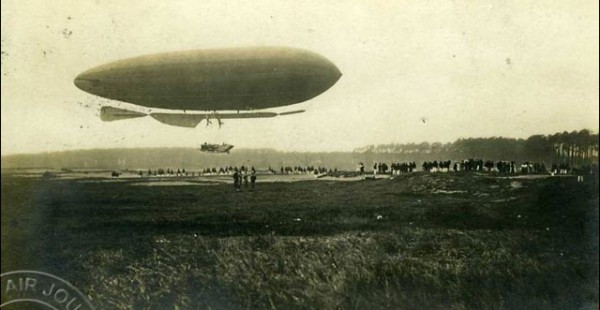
[[574, 148]]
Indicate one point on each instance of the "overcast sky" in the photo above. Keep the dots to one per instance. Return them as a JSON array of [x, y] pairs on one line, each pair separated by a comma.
[[412, 71]]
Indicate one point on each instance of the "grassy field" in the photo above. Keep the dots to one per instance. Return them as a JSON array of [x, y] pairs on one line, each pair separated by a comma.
[[424, 241]]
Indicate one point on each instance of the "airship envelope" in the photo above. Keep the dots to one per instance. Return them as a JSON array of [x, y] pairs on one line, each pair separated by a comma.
[[214, 80]]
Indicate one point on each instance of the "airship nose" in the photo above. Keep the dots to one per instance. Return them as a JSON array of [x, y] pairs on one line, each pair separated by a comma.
[[330, 75], [77, 82], [86, 82], [333, 73], [337, 73], [81, 82]]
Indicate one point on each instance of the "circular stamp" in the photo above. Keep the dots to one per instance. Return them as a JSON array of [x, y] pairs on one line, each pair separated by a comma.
[[27, 288]]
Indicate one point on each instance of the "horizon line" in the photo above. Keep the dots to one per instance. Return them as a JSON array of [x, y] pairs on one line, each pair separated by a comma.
[[355, 150]]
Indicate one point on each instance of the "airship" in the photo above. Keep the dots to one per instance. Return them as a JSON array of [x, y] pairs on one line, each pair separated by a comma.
[[196, 85]]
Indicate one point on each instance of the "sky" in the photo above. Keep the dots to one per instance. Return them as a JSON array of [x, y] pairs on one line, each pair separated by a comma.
[[413, 71]]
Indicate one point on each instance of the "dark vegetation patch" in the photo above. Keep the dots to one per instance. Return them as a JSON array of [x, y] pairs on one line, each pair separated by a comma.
[[447, 240]]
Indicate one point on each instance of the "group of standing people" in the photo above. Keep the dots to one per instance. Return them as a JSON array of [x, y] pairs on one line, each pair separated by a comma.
[[241, 177]]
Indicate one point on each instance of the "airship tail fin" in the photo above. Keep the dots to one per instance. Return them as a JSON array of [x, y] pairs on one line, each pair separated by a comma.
[[109, 114], [291, 112], [181, 120]]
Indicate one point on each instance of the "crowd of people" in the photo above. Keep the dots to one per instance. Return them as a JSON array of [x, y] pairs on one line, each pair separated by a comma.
[[395, 168], [502, 166], [228, 170], [435, 166], [533, 168], [471, 164], [305, 170], [403, 167], [506, 166], [241, 177], [167, 172], [563, 168], [231, 170], [247, 175]]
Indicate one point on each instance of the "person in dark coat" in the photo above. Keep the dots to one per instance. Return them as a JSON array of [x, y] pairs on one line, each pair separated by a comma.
[[245, 180], [236, 181], [252, 181]]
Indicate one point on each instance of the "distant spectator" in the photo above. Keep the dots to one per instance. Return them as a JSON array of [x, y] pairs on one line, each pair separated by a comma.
[[235, 181], [252, 181]]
